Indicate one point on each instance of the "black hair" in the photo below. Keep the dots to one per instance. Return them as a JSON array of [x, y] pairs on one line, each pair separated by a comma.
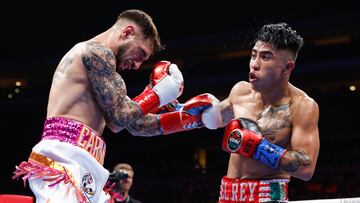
[[145, 22], [281, 36]]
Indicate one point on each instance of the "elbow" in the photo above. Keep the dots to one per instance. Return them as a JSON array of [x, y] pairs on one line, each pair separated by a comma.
[[307, 172], [115, 126], [134, 133], [306, 175], [115, 129], [140, 133]]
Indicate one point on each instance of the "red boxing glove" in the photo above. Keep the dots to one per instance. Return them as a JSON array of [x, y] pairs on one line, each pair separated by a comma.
[[163, 69], [169, 107], [166, 84], [187, 116], [242, 136]]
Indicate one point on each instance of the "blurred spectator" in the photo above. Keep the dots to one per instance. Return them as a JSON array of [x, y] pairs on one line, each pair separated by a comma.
[[124, 183]]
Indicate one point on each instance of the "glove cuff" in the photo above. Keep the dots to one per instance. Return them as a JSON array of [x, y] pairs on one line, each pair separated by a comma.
[[269, 154], [147, 100], [212, 117], [170, 122]]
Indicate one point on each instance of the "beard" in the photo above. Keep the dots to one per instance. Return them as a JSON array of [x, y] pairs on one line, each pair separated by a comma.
[[120, 56]]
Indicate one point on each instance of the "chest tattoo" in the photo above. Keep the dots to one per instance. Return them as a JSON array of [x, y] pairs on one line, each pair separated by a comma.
[[274, 118]]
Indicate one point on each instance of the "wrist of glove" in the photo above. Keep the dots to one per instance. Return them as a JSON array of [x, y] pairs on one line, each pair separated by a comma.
[[187, 116], [147, 100], [211, 117], [169, 107], [244, 136]]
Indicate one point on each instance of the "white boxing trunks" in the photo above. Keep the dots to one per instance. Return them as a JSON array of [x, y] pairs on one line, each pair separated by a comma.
[[66, 165]]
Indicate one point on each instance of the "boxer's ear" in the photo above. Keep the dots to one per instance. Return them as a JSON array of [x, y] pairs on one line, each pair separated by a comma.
[[127, 31], [289, 66]]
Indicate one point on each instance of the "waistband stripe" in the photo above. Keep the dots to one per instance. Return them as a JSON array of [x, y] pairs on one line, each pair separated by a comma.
[[45, 161], [264, 194], [264, 200], [75, 133]]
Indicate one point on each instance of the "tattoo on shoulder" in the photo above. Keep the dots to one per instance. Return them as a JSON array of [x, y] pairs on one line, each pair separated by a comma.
[[292, 160], [98, 58], [64, 65], [108, 86]]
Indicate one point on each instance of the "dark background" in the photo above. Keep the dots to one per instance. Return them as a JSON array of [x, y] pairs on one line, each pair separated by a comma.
[[210, 45]]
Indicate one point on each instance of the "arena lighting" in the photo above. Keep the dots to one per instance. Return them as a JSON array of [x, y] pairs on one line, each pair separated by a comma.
[[18, 83], [352, 87], [200, 158], [9, 82], [333, 40]]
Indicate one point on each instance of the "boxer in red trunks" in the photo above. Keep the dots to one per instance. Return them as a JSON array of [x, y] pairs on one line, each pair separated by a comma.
[[271, 126]]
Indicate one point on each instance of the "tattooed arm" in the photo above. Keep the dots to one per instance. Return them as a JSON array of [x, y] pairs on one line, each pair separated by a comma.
[[227, 112], [238, 91], [235, 99], [109, 87], [300, 160], [146, 126]]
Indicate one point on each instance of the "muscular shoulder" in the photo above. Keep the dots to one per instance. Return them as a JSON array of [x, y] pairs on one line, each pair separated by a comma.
[[301, 99], [303, 106], [94, 54], [240, 89]]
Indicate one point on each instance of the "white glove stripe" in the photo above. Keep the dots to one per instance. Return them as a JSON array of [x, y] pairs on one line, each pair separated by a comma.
[[169, 87], [176, 73], [212, 117]]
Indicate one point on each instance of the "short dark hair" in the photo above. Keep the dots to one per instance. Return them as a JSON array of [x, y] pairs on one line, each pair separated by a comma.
[[281, 36], [145, 22]]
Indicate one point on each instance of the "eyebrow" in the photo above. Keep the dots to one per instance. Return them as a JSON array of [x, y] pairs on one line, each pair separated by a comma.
[[263, 52]]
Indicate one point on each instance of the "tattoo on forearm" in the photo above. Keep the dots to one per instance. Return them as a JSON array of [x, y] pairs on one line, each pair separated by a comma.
[[227, 114], [147, 125], [292, 160], [108, 86]]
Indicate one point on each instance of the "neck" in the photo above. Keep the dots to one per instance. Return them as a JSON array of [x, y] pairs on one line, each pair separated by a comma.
[[101, 37], [274, 96], [126, 194], [105, 39]]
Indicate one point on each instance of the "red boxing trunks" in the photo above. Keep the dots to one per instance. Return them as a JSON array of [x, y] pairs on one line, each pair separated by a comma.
[[239, 190]]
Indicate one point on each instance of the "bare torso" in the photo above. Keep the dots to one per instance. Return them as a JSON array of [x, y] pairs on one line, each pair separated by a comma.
[[71, 95], [275, 120]]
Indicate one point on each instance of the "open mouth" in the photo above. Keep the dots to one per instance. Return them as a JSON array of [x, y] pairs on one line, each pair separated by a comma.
[[125, 65], [252, 77]]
